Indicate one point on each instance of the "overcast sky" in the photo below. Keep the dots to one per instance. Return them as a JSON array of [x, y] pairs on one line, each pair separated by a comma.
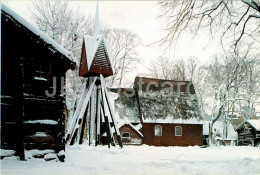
[[139, 17]]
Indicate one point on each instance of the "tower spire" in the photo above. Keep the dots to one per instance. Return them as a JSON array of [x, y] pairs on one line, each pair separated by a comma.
[[97, 27]]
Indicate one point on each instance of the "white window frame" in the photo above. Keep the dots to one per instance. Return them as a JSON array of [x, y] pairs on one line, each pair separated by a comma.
[[155, 130], [176, 130], [125, 137]]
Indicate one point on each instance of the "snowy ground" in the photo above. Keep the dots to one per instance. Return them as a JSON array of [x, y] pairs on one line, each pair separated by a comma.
[[143, 160]]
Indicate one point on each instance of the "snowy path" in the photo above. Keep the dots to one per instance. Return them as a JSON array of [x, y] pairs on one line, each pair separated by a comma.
[[144, 160]]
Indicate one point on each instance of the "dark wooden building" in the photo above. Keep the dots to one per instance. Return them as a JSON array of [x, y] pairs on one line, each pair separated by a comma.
[[249, 133], [33, 67]]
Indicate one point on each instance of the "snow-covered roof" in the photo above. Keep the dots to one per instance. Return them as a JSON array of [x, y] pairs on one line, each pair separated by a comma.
[[37, 32], [125, 107], [136, 128], [175, 121], [46, 122], [91, 45], [218, 127], [167, 101], [132, 126], [254, 123], [139, 126]]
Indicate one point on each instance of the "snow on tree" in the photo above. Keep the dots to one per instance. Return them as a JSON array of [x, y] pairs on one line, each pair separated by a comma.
[[228, 76], [63, 24], [174, 69], [123, 45]]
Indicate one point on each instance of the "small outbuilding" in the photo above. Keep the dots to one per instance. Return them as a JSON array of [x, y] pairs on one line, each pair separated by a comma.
[[249, 133], [127, 114], [131, 133]]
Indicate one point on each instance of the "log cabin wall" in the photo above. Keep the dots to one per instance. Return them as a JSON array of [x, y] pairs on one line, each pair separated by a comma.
[[191, 135], [247, 135], [30, 119]]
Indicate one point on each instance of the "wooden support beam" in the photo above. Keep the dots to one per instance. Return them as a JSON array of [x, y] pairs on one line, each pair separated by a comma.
[[111, 134], [83, 126], [98, 102], [98, 116], [75, 116], [92, 116], [74, 137], [106, 121], [83, 109], [108, 131], [73, 110], [76, 133], [105, 94]]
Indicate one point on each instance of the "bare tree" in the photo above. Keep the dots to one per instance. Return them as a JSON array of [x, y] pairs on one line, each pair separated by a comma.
[[192, 67], [161, 68], [222, 79], [236, 19], [234, 83], [231, 81], [249, 83], [180, 70], [51, 17], [123, 46], [79, 25], [61, 23], [68, 26]]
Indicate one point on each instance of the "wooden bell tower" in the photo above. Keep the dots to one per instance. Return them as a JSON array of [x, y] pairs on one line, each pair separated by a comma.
[[95, 60], [95, 55], [94, 111]]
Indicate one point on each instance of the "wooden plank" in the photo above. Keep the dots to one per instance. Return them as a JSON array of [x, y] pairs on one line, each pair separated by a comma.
[[75, 116], [83, 109], [104, 90], [83, 126], [98, 116], [92, 116], [106, 125]]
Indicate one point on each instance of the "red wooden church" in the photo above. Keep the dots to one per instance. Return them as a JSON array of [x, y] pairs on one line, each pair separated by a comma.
[[166, 110], [169, 112]]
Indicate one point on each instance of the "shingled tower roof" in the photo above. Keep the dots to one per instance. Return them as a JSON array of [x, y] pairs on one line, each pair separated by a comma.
[[95, 55]]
